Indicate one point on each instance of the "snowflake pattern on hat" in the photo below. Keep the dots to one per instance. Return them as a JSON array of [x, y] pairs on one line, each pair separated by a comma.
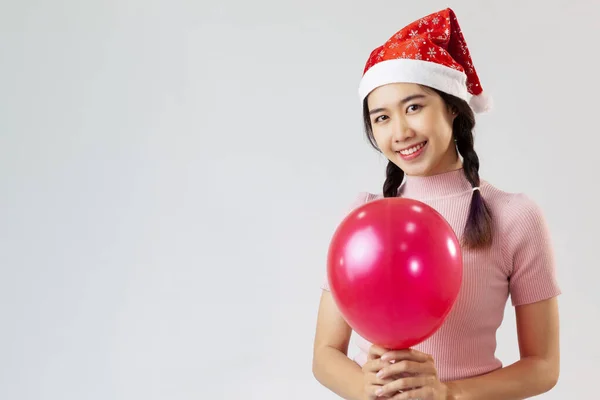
[[437, 42]]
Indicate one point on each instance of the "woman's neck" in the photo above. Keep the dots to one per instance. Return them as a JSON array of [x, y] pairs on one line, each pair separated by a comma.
[[448, 183]]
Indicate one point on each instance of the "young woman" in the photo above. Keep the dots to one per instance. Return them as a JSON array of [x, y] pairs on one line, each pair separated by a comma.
[[419, 92]]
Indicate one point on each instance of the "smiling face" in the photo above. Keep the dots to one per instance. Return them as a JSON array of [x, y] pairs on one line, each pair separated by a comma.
[[412, 126]]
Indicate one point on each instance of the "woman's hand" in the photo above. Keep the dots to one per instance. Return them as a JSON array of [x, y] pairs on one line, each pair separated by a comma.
[[370, 369], [416, 375]]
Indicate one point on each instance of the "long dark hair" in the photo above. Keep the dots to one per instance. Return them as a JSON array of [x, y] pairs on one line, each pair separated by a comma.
[[478, 230]]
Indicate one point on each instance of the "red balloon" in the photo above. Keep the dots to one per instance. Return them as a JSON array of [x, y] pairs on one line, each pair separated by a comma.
[[395, 269]]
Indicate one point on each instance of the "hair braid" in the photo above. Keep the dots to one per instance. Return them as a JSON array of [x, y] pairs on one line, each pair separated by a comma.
[[478, 230], [393, 178]]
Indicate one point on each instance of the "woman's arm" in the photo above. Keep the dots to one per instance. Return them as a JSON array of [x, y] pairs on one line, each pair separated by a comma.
[[538, 369], [331, 365]]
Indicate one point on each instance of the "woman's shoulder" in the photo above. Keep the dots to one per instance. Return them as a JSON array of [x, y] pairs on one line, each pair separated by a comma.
[[365, 197], [509, 207]]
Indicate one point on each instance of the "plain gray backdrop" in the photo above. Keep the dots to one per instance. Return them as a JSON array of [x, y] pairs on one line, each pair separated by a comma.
[[171, 173]]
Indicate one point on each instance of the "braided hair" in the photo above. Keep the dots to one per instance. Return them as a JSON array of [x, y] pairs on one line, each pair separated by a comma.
[[478, 230]]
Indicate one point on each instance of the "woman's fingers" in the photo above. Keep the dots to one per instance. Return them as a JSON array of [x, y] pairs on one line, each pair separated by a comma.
[[406, 384], [376, 352], [408, 354], [371, 368], [375, 365], [406, 367], [425, 393]]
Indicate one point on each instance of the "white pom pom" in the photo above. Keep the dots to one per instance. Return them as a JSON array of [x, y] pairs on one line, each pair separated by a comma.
[[481, 103]]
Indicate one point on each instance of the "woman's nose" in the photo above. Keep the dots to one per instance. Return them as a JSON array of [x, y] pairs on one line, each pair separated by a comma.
[[402, 132]]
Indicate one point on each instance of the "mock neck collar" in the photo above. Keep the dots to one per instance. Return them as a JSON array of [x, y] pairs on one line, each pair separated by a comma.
[[434, 186]]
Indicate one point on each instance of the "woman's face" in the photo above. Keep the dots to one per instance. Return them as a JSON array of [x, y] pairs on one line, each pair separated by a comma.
[[412, 126]]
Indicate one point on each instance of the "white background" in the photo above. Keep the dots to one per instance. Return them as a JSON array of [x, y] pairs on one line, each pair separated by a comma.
[[171, 173]]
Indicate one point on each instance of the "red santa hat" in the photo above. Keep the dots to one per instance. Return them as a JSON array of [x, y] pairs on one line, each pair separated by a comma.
[[432, 52]]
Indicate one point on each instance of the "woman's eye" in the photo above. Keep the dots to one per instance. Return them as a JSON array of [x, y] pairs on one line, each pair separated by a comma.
[[413, 107], [379, 119]]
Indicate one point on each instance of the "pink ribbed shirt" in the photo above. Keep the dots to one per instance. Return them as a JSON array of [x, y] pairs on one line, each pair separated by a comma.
[[520, 264]]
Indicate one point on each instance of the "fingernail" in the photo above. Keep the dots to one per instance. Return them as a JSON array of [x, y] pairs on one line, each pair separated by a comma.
[[379, 391], [380, 374]]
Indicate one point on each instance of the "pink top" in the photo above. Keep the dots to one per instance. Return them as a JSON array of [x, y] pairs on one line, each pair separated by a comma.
[[520, 263]]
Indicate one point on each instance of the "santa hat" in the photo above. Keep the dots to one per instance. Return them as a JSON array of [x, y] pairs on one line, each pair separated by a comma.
[[432, 52]]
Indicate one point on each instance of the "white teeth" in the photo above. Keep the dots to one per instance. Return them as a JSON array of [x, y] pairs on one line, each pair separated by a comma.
[[408, 152]]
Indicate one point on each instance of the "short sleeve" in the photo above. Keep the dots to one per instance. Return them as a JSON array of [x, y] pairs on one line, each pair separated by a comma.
[[361, 198], [530, 250]]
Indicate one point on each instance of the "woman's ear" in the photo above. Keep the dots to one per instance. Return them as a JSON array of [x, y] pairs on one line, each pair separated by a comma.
[[453, 112]]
